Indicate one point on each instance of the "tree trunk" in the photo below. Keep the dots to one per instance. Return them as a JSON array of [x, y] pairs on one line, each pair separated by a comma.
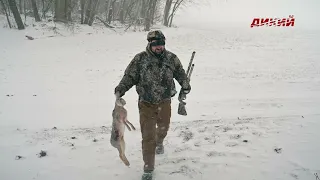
[[148, 15], [138, 16], [108, 2], [110, 12], [170, 21], [16, 14], [166, 12], [45, 8], [129, 9], [88, 12], [61, 9], [122, 11], [25, 10], [35, 10], [82, 5], [68, 9], [20, 6], [153, 10], [174, 10], [144, 7], [7, 6], [105, 23], [93, 12], [172, 13], [113, 7], [5, 11]]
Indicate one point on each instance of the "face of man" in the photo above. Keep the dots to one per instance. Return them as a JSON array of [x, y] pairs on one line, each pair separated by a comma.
[[157, 46]]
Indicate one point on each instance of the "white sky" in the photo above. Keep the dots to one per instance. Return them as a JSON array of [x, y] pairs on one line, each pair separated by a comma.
[[306, 12]]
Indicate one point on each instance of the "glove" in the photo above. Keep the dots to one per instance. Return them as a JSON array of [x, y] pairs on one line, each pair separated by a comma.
[[186, 89], [118, 91]]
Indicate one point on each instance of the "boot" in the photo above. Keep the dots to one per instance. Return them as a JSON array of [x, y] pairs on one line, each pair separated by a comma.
[[159, 149], [147, 175]]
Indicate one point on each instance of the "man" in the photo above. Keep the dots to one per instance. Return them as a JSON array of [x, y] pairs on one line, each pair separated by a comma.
[[152, 72]]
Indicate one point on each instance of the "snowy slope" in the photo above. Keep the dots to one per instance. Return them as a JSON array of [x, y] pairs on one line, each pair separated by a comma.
[[253, 91]]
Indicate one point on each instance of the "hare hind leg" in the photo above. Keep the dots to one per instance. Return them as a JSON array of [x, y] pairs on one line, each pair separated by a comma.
[[122, 152]]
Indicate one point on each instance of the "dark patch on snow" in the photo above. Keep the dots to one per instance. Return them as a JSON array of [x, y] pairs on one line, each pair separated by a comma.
[[278, 150], [226, 129], [42, 154], [215, 153], [231, 144], [186, 135], [294, 176], [180, 149], [235, 136], [186, 170], [19, 157]]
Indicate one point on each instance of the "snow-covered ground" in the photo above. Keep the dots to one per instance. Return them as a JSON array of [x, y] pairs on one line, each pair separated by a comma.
[[254, 92]]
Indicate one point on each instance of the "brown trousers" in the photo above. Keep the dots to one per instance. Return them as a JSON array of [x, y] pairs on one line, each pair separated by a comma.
[[154, 124]]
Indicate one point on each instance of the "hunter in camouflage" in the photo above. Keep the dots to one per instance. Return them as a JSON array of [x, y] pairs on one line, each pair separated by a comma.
[[153, 72]]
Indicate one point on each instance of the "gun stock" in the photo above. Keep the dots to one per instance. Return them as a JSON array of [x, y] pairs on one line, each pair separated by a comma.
[[182, 96]]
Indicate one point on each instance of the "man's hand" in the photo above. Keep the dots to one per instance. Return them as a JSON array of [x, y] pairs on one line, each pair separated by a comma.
[[186, 88]]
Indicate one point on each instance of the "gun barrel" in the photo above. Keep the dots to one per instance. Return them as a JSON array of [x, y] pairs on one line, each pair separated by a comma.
[[190, 63], [189, 75]]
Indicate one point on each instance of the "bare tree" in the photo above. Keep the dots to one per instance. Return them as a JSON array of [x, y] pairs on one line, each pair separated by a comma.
[[20, 6], [46, 7], [153, 11], [174, 10], [35, 10], [88, 12], [148, 12], [16, 14], [93, 12], [140, 14], [166, 12], [82, 6], [25, 11], [107, 4], [122, 11], [62, 10], [5, 11]]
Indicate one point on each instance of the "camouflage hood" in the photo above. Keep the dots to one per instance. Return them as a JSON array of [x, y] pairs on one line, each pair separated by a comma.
[[153, 75]]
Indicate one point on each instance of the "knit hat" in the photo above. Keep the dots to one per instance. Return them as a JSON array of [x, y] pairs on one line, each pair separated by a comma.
[[155, 35]]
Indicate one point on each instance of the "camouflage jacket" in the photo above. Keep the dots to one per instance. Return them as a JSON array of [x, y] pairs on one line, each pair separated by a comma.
[[153, 76]]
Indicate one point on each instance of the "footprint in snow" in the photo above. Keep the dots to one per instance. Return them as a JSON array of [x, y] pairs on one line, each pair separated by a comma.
[[215, 154], [181, 149], [226, 129], [202, 130], [231, 144], [186, 171], [235, 136], [186, 135]]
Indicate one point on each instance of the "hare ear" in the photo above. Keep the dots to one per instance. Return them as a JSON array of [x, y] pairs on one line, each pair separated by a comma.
[[118, 102], [117, 95]]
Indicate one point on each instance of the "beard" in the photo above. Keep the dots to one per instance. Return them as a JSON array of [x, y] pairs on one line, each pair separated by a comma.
[[158, 51]]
